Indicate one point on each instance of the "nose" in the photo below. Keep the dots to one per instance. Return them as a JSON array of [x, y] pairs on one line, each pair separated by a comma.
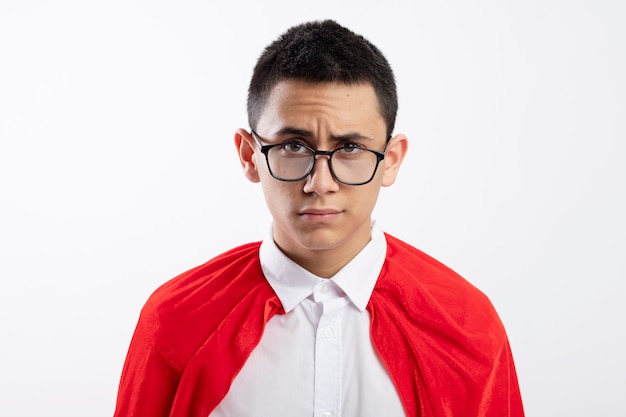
[[321, 180]]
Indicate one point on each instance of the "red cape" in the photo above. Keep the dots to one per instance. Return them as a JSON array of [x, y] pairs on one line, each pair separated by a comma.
[[439, 337]]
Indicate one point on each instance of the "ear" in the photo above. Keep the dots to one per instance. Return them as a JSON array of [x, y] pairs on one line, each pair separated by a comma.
[[396, 151], [246, 149]]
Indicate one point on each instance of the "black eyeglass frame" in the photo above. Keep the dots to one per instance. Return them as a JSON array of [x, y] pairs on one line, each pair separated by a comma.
[[265, 149]]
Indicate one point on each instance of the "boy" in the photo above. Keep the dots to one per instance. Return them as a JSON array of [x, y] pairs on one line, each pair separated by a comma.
[[328, 316]]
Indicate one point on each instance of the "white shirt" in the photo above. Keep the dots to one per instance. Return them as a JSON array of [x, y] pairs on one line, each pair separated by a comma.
[[317, 359]]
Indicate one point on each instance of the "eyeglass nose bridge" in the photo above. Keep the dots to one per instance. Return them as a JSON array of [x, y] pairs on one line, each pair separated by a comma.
[[322, 153], [315, 154]]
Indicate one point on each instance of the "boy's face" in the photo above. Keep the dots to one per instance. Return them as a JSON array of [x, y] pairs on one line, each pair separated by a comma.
[[318, 220]]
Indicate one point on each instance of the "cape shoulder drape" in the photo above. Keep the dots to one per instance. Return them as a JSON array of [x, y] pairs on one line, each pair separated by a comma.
[[439, 337]]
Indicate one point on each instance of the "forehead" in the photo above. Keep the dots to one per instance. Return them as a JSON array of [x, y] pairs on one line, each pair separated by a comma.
[[313, 105]]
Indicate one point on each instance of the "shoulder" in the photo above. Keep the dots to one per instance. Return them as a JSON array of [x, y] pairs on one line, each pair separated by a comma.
[[425, 283], [445, 331], [217, 272], [407, 260], [179, 315]]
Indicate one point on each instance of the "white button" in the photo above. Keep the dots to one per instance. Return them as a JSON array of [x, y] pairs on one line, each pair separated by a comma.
[[327, 332], [324, 289], [327, 414]]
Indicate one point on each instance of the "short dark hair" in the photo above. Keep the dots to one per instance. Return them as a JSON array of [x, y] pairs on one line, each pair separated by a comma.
[[318, 52]]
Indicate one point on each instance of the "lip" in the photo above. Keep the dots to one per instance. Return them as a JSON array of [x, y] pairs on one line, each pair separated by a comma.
[[319, 214]]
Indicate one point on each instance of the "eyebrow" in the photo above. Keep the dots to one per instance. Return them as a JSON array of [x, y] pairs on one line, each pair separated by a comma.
[[308, 134]]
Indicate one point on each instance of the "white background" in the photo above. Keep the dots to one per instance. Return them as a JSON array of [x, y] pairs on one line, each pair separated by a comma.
[[118, 171]]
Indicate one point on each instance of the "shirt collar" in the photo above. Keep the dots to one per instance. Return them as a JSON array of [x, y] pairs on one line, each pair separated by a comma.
[[292, 283]]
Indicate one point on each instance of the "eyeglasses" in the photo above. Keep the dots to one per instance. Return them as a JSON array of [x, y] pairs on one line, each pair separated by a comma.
[[293, 161]]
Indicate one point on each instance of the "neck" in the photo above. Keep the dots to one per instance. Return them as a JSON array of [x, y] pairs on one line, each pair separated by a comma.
[[323, 265]]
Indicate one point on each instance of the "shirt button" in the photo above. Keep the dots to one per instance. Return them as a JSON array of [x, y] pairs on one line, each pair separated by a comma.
[[327, 414], [324, 289], [327, 332]]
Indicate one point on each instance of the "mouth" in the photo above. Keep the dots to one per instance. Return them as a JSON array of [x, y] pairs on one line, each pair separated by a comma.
[[319, 215]]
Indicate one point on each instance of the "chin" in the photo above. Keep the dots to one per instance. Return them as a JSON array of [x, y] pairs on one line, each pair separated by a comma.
[[326, 239], [319, 241]]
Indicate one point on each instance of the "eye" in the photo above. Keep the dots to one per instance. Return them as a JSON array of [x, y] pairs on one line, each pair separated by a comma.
[[294, 148], [350, 148]]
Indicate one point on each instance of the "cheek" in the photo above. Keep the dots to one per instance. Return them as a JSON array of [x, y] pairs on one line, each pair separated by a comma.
[[280, 196], [367, 197]]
